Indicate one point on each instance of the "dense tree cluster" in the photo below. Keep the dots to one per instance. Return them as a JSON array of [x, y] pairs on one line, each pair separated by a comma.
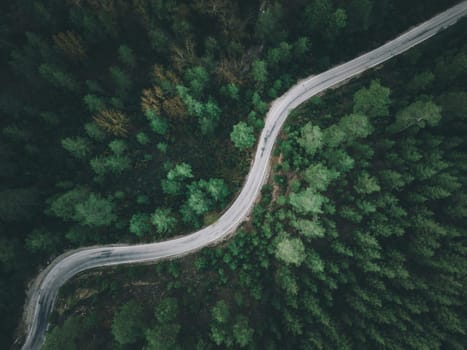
[[358, 241]]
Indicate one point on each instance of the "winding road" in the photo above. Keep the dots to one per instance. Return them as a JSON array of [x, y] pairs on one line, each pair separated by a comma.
[[44, 290]]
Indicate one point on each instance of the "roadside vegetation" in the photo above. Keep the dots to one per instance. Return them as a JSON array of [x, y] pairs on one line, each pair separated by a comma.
[[358, 241]]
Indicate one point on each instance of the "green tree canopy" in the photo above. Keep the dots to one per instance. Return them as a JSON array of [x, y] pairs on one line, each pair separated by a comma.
[[311, 138], [309, 228], [126, 56], [166, 310], [269, 26], [163, 220], [319, 176], [419, 114], [259, 71], [242, 135], [291, 251], [67, 336], [95, 211], [140, 224], [79, 147], [242, 332], [63, 206], [162, 337], [366, 183], [220, 312], [197, 79], [128, 323], [175, 178], [373, 101]]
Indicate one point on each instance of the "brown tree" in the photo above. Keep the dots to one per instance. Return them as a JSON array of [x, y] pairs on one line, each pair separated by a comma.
[[71, 44], [113, 122], [174, 107], [151, 99]]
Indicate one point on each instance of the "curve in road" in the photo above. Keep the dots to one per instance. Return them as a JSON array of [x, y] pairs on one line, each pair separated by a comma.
[[44, 291]]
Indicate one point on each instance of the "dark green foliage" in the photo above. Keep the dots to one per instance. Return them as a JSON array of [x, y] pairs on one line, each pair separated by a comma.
[[94, 103], [67, 336], [95, 211], [163, 337], [373, 101], [41, 241], [63, 205], [140, 224], [356, 244], [242, 331], [206, 66], [173, 184], [142, 138], [418, 114], [259, 71], [197, 79], [116, 162], [84, 207], [77, 146], [57, 77], [126, 56], [166, 310], [128, 323], [269, 26], [158, 124], [18, 204]]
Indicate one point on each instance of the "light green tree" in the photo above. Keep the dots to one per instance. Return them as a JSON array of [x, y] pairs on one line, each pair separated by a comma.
[[95, 211], [140, 224], [373, 101], [418, 114], [242, 136], [309, 228], [319, 176], [163, 220], [366, 184], [259, 71], [291, 251], [175, 178], [198, 200], [311, 138], [307, 202]]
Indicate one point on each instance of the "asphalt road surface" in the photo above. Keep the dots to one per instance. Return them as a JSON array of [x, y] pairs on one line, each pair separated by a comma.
[[44, 291]]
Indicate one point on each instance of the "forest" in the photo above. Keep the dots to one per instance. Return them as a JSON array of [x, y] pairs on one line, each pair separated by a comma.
[[134, 121], [358, 241]]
